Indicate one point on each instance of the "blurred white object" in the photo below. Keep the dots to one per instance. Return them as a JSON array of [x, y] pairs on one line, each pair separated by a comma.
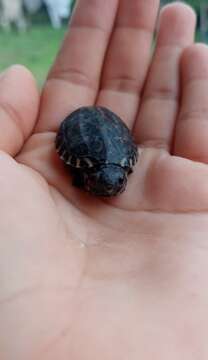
[[32, 6], [58, 10], [12, 12]]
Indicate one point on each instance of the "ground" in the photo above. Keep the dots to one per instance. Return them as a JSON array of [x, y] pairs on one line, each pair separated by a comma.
[[35, 49]]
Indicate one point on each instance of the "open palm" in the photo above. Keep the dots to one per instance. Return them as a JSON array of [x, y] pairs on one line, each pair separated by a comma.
[[87, 279]]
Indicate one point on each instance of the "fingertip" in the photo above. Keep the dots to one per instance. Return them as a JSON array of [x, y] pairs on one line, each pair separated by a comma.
[[21, 74], [181, 18], [178, 9], [194, 62], [20, 88], [19, 104], [18, 70]]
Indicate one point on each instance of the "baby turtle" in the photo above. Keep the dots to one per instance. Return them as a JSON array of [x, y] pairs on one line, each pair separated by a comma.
[[99, 150]]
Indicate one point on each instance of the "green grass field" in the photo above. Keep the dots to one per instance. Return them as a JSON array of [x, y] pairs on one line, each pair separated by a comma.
[[35, 49]]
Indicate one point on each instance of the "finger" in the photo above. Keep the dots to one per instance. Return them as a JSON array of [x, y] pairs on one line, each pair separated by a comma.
[[159, 105], [128, 57], [19, 101], [191, 137], [175, 184], [74, 78]]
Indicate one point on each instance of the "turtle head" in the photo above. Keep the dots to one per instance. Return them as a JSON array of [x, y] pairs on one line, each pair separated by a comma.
[[106, 180]]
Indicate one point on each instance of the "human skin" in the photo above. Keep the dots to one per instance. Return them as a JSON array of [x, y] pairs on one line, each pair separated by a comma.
[[84, 278]]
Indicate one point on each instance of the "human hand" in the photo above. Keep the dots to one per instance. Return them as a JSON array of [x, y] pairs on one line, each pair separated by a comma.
[[86, 279]]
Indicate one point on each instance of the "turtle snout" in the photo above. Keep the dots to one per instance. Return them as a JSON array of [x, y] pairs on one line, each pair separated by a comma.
[[107, 181]]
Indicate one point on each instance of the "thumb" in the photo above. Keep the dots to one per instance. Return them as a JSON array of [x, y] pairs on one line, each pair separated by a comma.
[[19, 101]]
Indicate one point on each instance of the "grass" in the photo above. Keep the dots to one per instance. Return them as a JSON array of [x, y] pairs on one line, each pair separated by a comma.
[[35, 49]]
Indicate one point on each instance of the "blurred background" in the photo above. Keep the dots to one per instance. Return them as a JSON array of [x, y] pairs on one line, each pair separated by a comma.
[[31, 31]]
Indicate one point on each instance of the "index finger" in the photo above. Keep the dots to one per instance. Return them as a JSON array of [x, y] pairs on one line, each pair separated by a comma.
[[74, 78]]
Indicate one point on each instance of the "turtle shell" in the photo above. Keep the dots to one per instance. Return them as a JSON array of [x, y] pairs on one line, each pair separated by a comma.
[[95, 135]]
